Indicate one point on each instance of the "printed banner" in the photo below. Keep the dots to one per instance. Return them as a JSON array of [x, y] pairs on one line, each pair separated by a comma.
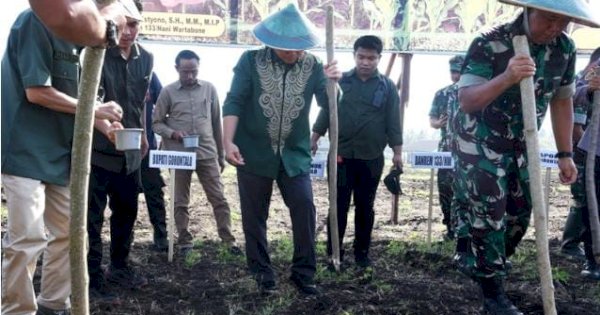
[[404, 25]]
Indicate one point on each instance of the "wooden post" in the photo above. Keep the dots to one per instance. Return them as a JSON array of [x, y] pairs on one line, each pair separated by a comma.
[[430, 212], [530, 131], [333, 147], [171, 216], [390, 66], [80, 174], [547, 189], [395, 206], [590, 183]]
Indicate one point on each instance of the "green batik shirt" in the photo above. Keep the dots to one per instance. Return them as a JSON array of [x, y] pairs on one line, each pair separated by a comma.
[[272, 102], [439, 108], [497, 130], [368, 116]]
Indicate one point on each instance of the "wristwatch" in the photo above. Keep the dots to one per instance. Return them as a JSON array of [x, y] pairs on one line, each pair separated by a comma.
[[111, 33], [564, 154]]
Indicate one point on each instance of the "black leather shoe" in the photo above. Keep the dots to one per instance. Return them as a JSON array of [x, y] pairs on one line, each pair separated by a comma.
[[305, 286], [573, 252], [591, 271], [363, 262], [267, 288]]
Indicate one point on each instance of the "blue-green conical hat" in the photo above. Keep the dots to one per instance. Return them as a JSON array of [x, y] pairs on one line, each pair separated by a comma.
[[287, 29], [579, 10]]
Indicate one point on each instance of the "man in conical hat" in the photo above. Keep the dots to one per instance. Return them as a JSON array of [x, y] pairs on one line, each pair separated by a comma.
[[490, 145], [267, 137]]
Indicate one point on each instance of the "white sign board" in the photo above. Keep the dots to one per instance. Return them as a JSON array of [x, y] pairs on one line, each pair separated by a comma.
[[432, 160], [317, 168], [172, 159], [548, 159]]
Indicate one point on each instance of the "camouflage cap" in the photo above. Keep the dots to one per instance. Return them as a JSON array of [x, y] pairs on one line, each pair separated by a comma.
[[287, 29], [578, 10], [456, 63]]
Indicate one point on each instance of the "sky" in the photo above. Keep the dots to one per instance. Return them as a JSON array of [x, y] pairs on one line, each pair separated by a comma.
[[430, 72]]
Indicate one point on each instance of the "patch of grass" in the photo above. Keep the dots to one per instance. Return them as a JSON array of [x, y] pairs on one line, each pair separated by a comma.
[[525, 259], [192, 258], [323, 274], [224, 255], [198, 244], [396, 248], [560, 275], [283, 250], [321, 249], [276, 304]]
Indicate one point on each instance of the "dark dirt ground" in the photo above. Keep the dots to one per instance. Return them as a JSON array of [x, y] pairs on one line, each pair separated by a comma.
[[407, 276]]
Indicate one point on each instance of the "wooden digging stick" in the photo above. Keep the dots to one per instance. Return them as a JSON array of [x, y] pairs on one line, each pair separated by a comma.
[[535, 182], [590, 183], [80, 174], [333, 148]]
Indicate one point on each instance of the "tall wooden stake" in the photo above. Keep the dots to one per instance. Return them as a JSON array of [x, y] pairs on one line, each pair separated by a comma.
[[535, 182], [80, 173], [430, 211], [333, 148], [590, 183]]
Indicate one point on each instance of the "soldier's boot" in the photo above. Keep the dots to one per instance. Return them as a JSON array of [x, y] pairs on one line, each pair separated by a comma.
[[495, 301], [591, 269], [572, 236]]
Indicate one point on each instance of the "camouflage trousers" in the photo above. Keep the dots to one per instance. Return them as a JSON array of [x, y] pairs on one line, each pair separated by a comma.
[[573, 231], [581, 201], [493, 209], [445, 178]]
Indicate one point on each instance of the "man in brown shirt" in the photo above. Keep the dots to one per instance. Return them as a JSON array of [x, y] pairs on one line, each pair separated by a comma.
[[191, 106]]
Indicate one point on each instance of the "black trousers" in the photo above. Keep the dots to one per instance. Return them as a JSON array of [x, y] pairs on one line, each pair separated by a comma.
[[580, 158], [153, 183], [361, 178], [122, 191], [255, 197]]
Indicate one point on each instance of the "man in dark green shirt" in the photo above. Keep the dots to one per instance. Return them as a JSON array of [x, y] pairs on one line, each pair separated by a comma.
[[266, 136], [40, 74], [369, 119]]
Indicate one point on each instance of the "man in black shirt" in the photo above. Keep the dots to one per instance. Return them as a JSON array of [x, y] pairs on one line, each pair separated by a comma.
[[115, 175]]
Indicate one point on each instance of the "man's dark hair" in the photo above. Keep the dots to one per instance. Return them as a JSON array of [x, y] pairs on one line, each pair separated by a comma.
[[369, 42], [595, 55], [186, 54], [138, 5]]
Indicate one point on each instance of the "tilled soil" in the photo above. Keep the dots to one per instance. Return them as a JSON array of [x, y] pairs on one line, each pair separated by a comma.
[[407, 276]]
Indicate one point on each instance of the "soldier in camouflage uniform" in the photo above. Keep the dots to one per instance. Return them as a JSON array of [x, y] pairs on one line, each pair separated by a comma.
[[490, 144], [583, 96], [438, 119], [573, 230]]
